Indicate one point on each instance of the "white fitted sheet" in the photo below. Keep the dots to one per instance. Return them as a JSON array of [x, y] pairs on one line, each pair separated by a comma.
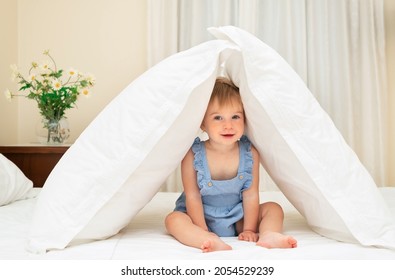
[[145, 238]]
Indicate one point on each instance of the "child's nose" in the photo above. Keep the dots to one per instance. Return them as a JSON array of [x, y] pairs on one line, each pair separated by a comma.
[[228, 124]]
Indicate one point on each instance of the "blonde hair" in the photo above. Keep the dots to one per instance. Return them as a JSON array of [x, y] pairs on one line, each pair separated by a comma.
[[225, 92]]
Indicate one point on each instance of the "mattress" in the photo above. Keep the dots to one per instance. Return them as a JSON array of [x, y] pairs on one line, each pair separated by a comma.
[[145, 237]]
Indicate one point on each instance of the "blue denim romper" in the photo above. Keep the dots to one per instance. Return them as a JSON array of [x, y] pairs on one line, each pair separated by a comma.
[[222, 200]]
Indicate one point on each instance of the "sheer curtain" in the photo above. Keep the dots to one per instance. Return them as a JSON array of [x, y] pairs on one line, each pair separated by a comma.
[[336, 46]]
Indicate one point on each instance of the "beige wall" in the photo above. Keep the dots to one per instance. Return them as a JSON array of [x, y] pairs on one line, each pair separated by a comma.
[[8, 55], [106, 38]]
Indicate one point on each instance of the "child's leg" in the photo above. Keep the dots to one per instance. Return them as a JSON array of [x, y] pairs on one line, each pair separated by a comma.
[[180, 225], [271, 218]]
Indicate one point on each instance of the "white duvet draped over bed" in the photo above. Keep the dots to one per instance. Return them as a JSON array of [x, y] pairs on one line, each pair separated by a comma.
[[119, 162]]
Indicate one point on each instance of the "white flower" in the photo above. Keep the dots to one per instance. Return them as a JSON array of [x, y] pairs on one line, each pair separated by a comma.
[[8, 94], [45, 67], [56, 84], [90, 78], [72, 72], [85, 91], [32, 77]]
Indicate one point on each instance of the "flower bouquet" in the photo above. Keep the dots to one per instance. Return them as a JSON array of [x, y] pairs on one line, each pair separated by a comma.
[[55, 91]]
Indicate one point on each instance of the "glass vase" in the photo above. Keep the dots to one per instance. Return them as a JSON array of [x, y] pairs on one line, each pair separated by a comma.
[[53, 131]]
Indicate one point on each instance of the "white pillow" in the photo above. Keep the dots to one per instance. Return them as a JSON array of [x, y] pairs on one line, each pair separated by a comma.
[[302, 150], [120, 161], [14, 185]]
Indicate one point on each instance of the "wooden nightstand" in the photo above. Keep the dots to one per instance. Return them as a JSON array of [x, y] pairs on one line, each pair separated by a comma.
[[35, 161]]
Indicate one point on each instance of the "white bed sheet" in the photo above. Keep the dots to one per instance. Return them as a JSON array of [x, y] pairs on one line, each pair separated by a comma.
[[145, 238]]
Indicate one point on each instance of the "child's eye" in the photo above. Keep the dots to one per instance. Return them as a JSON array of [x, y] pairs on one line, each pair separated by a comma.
[[236, 117], [217, 118]]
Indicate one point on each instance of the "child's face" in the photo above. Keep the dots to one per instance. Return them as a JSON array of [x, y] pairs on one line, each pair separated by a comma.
[[224, 124]]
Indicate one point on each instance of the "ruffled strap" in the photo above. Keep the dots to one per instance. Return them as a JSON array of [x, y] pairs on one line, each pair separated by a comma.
[[198, 161], [247, 162]]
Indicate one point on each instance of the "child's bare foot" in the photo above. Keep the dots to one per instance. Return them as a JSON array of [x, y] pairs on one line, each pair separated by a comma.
[[216, 244], [271, 239]]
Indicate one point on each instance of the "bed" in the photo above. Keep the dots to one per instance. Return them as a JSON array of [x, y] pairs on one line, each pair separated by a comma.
[[145, 238], [105, 187]]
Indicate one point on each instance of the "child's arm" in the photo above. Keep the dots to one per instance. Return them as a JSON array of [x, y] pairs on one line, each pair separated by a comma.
[[192, 194], [251, 203]]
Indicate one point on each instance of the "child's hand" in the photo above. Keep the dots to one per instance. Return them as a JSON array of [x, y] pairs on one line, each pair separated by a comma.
[[249, 236]]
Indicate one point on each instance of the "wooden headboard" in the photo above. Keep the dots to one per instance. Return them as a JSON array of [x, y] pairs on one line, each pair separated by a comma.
[[36, 162]]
